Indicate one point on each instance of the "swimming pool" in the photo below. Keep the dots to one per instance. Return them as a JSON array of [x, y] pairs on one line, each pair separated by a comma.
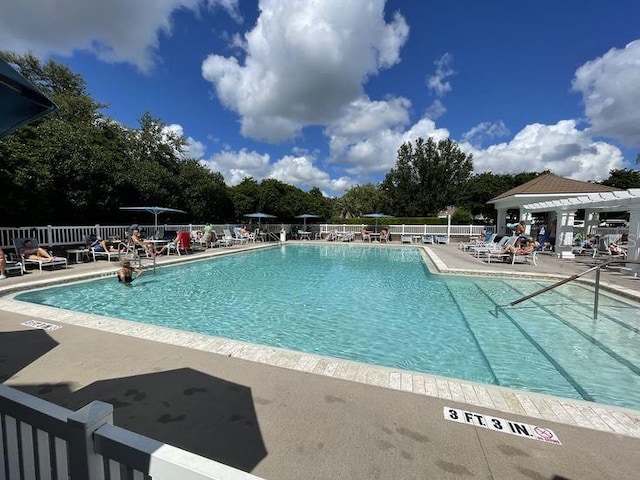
[[382, 306]]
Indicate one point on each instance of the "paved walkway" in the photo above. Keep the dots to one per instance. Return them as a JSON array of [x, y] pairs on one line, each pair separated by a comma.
[[285, 415]]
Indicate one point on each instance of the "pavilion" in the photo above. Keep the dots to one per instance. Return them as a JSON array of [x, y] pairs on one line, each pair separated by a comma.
[[561, 198]]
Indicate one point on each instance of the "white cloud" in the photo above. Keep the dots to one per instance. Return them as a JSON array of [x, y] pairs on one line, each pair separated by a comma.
[[435, 110], [300, 171], [439, 86], [438, 82], [114, 30], [561, 148], [236, 166], [293, 170], [305, 61], [610, 89], [377, 152], [484, 131], [362, 118], [193, 148]]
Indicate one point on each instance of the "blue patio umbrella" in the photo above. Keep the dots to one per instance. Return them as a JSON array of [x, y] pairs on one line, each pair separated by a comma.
[[304, 216], [259, 216], [376, 216], [155, 211], [20, 101]]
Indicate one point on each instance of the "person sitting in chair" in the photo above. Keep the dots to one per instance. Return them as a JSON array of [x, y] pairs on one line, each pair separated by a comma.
[[172, 244], [385, 236], [615, 249], [136, 240], [528, 248], [366, 234], [34, 253], [97, 244]]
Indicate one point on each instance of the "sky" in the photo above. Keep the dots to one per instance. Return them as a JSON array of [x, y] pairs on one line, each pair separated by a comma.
[[323, 92]]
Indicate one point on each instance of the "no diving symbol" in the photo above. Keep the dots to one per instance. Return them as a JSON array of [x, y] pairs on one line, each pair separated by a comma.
[[543, 432]]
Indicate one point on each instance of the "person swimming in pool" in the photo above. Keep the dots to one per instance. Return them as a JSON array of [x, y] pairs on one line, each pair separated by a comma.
[[125, 274]]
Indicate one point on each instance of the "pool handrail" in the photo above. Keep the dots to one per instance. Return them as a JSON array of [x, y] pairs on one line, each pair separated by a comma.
[[596, 268]]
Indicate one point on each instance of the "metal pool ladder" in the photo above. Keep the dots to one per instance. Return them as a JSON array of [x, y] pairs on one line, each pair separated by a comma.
[[597, 269]]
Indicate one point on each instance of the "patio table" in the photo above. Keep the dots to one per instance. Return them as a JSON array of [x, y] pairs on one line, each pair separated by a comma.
[[81, 254]]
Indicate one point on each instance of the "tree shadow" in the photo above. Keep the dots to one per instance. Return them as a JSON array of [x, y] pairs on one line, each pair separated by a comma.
[[20, 348], [183, 407]]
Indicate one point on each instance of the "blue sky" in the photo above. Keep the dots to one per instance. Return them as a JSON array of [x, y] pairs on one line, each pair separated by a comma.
[[322, 93]]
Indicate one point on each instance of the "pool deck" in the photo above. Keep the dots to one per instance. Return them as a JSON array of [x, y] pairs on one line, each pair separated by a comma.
[[288, 415]]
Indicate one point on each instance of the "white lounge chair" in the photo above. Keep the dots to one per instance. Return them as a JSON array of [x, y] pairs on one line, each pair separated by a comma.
[[18, 243], [406, 238]]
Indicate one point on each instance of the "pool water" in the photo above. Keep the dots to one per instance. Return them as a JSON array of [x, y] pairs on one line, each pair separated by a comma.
[[382, 306]]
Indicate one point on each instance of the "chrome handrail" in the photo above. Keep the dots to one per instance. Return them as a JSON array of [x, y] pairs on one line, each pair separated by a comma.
[[597, 269]]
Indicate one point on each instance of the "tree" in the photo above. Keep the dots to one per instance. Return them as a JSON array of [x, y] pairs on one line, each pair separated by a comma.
[[360, 200], [245, 197], [427, 177], [624, 178]]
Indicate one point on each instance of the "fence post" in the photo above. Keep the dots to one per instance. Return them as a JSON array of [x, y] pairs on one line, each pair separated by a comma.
[[448, 228], [84, 462], [49, 241]]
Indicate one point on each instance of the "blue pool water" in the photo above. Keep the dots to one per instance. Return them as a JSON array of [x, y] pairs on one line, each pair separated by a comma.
[[383, 306]]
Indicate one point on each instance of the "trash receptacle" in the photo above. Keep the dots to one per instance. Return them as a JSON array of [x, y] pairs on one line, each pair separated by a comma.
[[283, 236]]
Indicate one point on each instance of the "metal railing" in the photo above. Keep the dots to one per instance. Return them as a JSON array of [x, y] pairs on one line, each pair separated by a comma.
[[596, 268]]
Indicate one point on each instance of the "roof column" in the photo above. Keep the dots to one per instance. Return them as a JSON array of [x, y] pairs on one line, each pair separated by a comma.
[[528, 218], [633, 249], [501, 223], [591, 220], [564, 233]]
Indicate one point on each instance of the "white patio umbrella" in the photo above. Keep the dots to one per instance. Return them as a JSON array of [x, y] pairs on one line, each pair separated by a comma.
[[155, 211], [376, 216], [304, 216]]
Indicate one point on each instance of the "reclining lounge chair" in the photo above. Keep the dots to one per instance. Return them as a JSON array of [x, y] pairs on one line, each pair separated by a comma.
[[29, 259]]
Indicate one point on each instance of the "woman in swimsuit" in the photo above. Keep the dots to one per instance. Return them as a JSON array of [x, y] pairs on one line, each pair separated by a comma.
[[125, 274], [34, 253]]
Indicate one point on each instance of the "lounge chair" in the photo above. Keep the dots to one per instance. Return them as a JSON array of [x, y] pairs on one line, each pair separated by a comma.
[[604, 248], [478, 243], [227, 239], [18, 243], [238, 237], [428, 239], [99, 253], [442, 239], [13, 265], [406, 238], [494, 250]]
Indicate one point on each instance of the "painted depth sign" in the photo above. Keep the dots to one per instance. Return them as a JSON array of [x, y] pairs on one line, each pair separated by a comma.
[[501, 425], [41, 325]]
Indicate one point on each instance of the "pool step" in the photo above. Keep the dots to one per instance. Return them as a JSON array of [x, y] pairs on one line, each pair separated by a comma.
[[536, 374], [581, 346]]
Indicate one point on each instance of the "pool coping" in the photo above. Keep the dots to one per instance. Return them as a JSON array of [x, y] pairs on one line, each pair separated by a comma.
[[605, 418]]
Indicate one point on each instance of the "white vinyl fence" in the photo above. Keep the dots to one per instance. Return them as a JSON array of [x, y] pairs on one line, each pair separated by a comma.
[[52, 236], [40, 440]]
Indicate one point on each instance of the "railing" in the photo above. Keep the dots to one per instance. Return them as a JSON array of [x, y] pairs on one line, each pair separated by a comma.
[[596, 268], [442, 230], [64, 236], [41, 440]]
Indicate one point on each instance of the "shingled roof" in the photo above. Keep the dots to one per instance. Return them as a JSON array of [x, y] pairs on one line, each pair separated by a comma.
[[549, 183]]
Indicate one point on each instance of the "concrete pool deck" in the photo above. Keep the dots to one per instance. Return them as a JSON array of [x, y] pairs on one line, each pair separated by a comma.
[[285, 415]]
